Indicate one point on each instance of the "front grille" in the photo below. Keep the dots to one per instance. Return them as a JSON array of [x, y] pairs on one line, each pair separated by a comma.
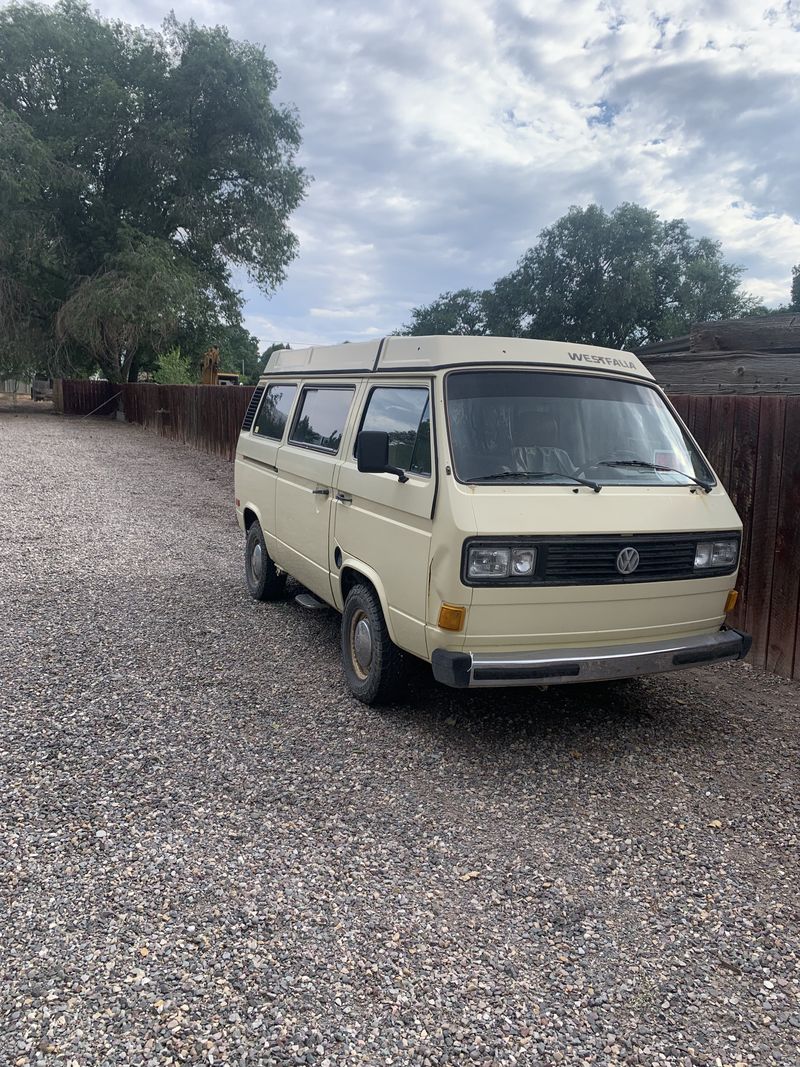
[[592, 560], [588, 562]]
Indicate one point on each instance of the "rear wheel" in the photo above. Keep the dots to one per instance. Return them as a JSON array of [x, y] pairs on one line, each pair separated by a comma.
[[373, 664], [264, 580]]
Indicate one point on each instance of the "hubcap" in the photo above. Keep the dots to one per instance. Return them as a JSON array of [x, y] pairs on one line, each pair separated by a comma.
[[361, 643], [257, 562]]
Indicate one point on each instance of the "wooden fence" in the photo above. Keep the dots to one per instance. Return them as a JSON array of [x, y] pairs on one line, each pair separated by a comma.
[[82, 397], [753, 443], [207, 417]]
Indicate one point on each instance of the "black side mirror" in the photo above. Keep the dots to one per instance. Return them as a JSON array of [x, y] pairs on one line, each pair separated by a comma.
[[372, 454]]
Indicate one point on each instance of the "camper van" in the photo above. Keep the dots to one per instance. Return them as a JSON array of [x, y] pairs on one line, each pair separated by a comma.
[[512, 511]]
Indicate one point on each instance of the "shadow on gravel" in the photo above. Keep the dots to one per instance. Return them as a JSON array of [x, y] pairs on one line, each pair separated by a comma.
[[661, 712], [534, 711]]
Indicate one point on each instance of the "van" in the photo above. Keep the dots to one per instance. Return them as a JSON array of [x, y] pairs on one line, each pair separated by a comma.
[[512, 511]]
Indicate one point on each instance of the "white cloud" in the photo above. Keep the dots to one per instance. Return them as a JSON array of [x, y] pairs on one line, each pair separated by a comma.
[[443, 137]]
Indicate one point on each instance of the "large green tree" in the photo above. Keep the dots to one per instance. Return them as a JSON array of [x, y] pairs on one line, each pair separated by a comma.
[[620, 279], [136, 170], [462, 312], [238, 351]]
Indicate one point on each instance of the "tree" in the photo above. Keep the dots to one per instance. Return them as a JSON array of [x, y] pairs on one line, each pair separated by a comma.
[[617, 279], [121, 147], [794, 303], [136, 301], [264, 360], [238, 351], [34, 264], [461, 312]]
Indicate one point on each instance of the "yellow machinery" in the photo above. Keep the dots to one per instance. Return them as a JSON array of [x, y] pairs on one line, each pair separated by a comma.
[[209, 366], [211, 375]]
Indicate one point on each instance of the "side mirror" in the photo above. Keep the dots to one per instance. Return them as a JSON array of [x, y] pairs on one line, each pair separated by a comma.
[[372, 454]]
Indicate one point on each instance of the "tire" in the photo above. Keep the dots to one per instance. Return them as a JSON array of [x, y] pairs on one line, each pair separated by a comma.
[[373, 664], [264, 580]]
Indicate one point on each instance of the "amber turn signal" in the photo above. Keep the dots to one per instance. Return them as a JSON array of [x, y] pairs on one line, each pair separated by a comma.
[[451, 617], [730, 603]]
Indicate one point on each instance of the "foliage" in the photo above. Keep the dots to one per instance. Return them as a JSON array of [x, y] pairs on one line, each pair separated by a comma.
[[618, 279], [238, 351], [173, 369], [262, 363], [121, 147], [136, 301], [32, 259], [794, 302], [461, 312]]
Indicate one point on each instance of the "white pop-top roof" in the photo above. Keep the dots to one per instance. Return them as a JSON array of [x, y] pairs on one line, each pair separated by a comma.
[[428, 353]]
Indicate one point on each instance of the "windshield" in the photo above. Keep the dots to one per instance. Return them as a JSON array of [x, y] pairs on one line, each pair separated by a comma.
[[551, 428]]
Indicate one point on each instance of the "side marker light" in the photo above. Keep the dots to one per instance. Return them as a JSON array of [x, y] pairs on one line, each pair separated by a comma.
[[452, 617]]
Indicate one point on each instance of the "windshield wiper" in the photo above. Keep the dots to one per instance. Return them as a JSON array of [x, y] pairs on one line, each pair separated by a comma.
[[707, 486], [502, 475]]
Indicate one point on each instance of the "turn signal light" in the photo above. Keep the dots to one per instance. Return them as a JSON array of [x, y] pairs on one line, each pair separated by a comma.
[[730, 603], [451, 617]]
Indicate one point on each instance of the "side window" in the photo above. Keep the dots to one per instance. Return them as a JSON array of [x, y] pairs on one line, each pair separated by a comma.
[[405, 415], [320, 419], [274, 411]]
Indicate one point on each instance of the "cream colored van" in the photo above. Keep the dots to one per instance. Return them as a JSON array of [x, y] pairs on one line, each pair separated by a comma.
[[515, 512]]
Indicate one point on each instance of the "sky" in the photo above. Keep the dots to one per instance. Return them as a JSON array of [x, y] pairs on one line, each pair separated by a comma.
[[443, 136]]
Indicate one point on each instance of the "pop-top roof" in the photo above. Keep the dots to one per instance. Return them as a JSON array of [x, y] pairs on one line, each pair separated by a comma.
[[430, 353]]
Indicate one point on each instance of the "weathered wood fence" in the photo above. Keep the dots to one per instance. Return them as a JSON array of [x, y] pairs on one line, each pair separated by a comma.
[[753, 443], [207, 417], [83, 397]]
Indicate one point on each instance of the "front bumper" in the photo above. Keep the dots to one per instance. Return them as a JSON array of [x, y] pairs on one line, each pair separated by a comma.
[[464, 670]]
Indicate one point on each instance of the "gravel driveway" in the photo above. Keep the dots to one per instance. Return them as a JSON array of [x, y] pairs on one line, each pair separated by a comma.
[[213, 854]]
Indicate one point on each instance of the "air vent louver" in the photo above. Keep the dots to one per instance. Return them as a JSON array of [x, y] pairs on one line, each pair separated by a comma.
[[252, 408]]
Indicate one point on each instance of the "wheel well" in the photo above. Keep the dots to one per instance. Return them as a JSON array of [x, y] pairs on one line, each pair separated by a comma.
[[351, 577], [249, 518]]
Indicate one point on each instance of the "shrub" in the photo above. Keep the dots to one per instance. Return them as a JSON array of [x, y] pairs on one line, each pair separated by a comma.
[[173, 369]]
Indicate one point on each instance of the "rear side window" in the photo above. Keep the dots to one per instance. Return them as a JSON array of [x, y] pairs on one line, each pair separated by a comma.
[[274, 411], [321, 417], [405, 415]]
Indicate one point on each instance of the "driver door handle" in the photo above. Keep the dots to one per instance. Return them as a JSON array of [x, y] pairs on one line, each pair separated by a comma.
[[344, 499]]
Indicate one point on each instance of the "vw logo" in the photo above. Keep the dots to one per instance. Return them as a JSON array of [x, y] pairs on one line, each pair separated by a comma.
[[627, 561]]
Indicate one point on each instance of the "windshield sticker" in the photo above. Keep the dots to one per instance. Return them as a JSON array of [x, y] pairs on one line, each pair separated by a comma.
[[667, 459], [606, 361]]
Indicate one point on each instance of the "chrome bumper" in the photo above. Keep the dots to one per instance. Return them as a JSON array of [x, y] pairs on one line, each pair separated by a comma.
[[464, 670]]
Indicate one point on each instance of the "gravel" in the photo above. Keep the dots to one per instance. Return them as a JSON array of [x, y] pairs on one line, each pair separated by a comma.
[[212, 854]]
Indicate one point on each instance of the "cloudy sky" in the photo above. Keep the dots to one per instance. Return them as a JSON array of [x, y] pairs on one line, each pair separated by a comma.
[[444, 135]]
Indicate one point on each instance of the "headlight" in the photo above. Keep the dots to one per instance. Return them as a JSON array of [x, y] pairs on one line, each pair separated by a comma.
[[492, 561], [710, 554]]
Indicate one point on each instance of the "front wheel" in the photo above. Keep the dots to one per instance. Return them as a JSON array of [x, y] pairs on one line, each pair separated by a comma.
[[264, 580], [373, 664]]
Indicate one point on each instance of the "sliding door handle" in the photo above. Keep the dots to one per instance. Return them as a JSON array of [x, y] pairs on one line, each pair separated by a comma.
[[344, 499], [320, 492]]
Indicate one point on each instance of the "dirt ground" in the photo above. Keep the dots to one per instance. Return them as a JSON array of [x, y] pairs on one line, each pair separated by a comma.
[[21, 404]]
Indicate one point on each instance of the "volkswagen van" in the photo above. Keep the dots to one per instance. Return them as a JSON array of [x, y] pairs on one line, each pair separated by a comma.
[[512, 511]]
